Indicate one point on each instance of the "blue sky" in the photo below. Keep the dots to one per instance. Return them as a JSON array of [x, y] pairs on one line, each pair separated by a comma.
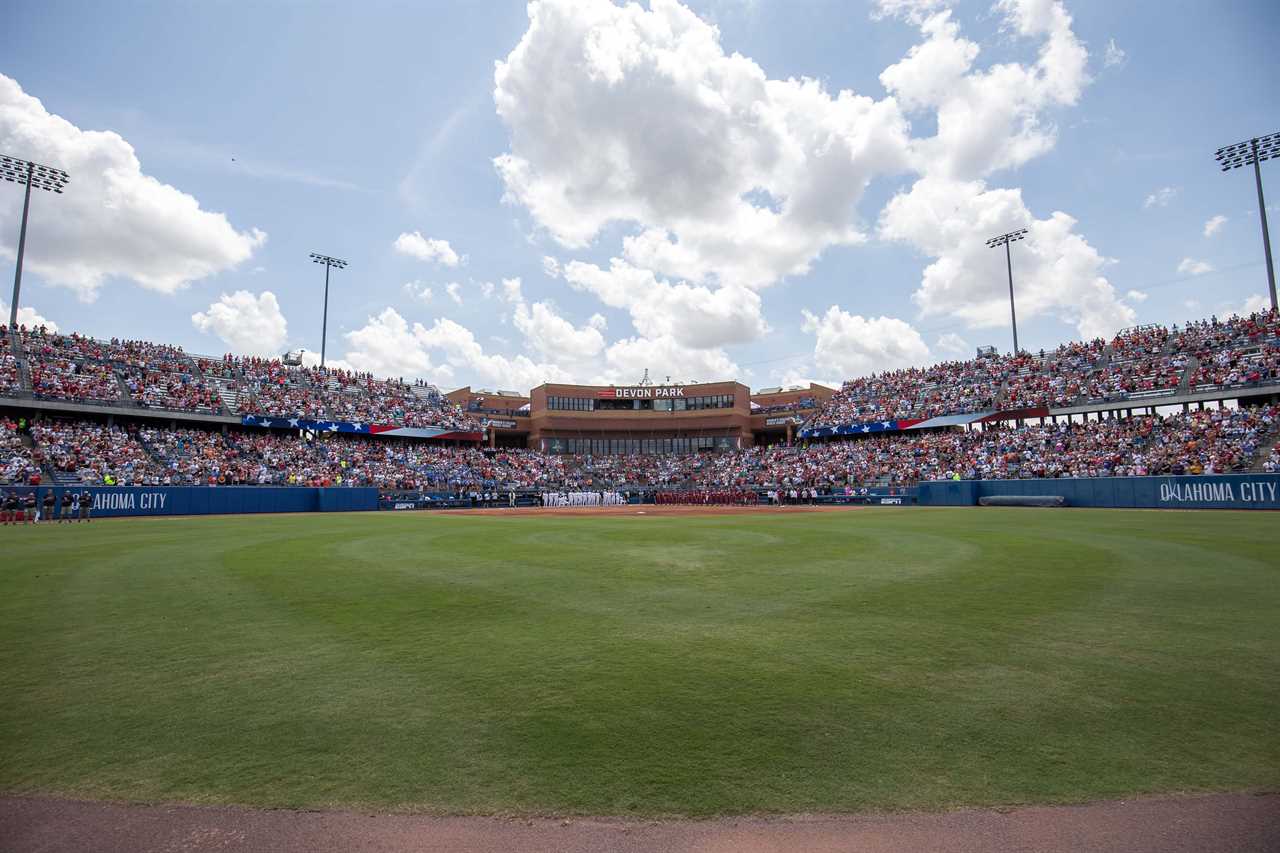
[[339, 127]]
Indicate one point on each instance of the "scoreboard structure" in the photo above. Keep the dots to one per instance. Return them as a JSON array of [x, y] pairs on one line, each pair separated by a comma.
[[618, 419], [630, 419]]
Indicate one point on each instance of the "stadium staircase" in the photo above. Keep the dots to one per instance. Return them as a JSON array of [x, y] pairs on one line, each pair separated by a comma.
[[199, 376], [229, 397], [125, 397], [156, 456], [1002, 394], [24, 367], [54, 476], [1184, 384], [1265, 443]]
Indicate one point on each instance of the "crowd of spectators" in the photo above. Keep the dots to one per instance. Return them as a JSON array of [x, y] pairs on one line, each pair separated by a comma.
[[10, 379], [1147, 361], [1054, 379], [1144, 361], [180, 391], [199, 457], [1122, 379], [270, 387], [94, 453], [1194, 442], [40, 343], [1234, 367], [1201, 337], [952, 387], [79, 381], [159, 376], [17, 463]]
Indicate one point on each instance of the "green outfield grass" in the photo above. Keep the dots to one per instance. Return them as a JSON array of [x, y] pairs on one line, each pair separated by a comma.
[[878, 659]]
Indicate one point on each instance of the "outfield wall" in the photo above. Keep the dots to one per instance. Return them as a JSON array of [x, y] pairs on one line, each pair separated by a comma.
[[115, 501], [1228, 491]]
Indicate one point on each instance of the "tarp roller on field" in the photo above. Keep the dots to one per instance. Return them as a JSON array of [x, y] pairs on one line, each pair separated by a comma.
[[1023, 500]]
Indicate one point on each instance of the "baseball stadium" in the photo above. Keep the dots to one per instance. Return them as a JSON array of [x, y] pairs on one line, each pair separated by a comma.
[[264, 600]]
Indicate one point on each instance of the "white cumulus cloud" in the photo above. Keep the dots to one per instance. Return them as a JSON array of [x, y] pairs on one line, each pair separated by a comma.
[[427, 249], [247, 324], [1055, 271], [1251, 305], [729, 173], [989, 119], [1114, 56], [465, 356], [910, 10], [626, 361], [27, 316], [1161, 197], [731, 180], [697, 316], [511, 290], [1214, 225], [953, 344], [418, 290], [553, 337], [387, 346], [852, 345], [1191, 266], [113, 220]]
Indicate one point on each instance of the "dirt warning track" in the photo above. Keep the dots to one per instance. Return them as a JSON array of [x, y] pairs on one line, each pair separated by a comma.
[[1224, 823]]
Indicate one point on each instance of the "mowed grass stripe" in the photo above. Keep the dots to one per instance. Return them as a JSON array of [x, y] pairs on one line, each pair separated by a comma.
[[889, 659]]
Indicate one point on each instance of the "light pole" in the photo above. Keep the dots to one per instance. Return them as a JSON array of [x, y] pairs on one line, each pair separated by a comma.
[[328, 263], [1251, 153], [32, 175], [1005, 240]]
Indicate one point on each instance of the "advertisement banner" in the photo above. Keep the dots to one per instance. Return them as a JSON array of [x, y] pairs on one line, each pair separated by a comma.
[[1220, 491], [117, 501]]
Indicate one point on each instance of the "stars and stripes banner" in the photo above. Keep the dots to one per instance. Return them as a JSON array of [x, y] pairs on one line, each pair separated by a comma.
[[357, 427], [926, 423], [275, 422], [859, 429]]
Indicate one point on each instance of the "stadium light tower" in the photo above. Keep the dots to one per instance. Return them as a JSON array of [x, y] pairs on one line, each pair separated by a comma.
[[1251, 153], [1005, 240], [329, 263], [32, 175]]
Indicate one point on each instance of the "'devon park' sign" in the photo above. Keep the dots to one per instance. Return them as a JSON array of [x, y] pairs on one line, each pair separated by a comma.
[[644, 392]]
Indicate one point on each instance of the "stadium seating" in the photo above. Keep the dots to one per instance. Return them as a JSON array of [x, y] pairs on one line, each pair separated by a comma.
[[10, 378], [76, 368], [1195, 442], [267, 386], [18, 465], [55, 378], [1145, 365], [85, 452], [1139, 365]]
